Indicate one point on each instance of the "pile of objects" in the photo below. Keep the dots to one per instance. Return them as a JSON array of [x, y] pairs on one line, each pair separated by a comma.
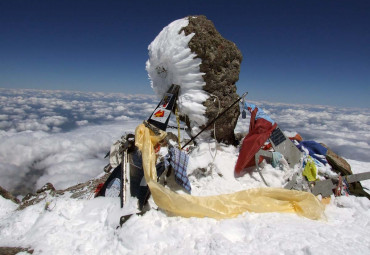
[[194, 71], [153, 163]]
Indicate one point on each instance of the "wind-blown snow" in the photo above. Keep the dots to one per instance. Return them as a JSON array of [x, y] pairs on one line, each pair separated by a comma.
[[172, 62], [74, 153]]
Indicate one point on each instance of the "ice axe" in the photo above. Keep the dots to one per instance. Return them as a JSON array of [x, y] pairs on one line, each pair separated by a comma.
[[209, 124]]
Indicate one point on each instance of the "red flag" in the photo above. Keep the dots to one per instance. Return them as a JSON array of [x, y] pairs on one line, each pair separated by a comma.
[[259, 131]]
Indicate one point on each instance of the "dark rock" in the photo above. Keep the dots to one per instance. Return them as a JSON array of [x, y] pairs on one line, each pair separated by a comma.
[[86, 189], [28, 197], [240, 136], [32, 199], [46, 187], [7, 195], [221, 61], [341, 166], [170, 137], [79, 191], [14, 250]]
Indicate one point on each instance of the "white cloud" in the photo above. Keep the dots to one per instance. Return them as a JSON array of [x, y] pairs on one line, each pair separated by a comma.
[[5, 125], [122, 118], [82, 122], [54, 110], [3, 117], [63, 158], [54, 120], [30, 124]]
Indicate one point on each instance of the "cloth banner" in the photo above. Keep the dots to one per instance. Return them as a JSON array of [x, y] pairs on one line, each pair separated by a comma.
[[259, 131], [179, 159]]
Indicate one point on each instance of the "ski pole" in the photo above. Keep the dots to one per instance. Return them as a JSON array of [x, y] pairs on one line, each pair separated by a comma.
[[209, 124]]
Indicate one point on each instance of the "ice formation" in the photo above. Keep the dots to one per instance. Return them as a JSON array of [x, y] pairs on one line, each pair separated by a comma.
[[172, 62]]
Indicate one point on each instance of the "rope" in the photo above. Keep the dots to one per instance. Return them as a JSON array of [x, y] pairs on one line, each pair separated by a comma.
[[338, 189], [219, 110], [178, 127], [214, 132], [173, 127]]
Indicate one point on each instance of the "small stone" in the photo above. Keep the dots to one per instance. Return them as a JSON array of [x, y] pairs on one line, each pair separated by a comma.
[[47, 186]]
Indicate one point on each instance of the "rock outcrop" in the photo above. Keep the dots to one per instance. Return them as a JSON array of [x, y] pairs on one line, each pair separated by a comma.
[[220, 64], [7, 195], [15, 250], [79, 191], [191, 53]]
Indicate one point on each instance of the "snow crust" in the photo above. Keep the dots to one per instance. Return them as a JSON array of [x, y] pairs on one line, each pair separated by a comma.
[[6, 206], [172, 62]]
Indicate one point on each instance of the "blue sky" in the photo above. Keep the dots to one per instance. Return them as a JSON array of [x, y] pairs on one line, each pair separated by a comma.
[[315, 52]]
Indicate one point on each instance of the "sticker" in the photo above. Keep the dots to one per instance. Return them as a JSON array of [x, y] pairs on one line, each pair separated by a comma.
[[160, 115], [113, 188], [166, 100]]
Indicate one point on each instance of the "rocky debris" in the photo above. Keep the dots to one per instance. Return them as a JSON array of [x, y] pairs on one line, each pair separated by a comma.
[[14, 250], [341, 166], [7, 195], [79, 191], [221, 61], [46, 187], [170, 138], [87, 189]]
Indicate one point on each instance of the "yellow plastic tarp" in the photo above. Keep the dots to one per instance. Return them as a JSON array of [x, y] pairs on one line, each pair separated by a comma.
[[220, 206]]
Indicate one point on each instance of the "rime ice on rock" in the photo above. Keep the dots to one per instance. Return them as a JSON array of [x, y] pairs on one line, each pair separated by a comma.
[[191, 53]]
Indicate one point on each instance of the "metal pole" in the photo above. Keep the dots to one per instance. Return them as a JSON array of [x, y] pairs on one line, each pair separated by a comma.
[[209, 124]]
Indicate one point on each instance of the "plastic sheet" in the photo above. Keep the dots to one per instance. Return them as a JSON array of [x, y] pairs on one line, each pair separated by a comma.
[[259, 200], [310, 170]]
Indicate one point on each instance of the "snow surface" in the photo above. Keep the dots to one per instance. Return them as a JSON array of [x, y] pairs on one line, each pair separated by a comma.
[[61, 225], [172, 62], [69, 226]]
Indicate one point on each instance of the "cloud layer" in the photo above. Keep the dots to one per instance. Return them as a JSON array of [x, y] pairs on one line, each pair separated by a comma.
[[60, 136], [56, 111]]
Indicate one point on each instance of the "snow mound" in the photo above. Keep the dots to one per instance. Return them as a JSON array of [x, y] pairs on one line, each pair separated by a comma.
[[172, 62]]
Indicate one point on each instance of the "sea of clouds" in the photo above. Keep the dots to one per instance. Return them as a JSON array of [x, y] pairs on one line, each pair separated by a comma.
[[62, 136]]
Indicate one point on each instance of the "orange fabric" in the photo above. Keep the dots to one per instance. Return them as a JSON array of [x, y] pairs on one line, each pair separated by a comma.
[[297, 137]]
